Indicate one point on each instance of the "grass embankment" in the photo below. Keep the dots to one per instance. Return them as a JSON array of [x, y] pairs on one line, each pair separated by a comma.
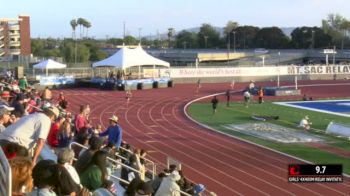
[[289, 117]]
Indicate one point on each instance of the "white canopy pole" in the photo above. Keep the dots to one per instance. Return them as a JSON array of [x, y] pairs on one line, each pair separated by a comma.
[[154, 71], [139, 71], [47, 72]]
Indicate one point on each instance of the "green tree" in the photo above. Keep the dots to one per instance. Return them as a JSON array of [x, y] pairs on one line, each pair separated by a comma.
[[230, 26], [95, 53], [83, 53], [171, 32], [67, 51], [229, 31], [115, 41], [53, 53], [208, 37], [271, 37], [345, 28], [130, 40], [186, 39], [310, 37], [38, 47], [333, 27], [245, 36]]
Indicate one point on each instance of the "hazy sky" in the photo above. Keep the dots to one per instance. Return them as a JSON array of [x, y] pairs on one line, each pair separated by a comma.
[[52, 17]]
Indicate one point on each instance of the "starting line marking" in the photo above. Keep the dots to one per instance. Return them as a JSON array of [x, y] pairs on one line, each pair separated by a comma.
[[151, 141]]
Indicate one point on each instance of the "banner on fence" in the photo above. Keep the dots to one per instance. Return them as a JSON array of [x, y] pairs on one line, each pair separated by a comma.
[[253, 71]]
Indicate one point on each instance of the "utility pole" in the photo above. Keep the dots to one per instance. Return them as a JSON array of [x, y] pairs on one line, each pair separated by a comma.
[[334, 55], [234, 41], [206, 41], [228, 47], [123, 32], [140, 35]]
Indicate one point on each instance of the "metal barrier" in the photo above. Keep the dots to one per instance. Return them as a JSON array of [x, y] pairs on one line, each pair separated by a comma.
[[117, 178], [110, 159], [181, 192], [172, 161], [5, 175], [149, 162]]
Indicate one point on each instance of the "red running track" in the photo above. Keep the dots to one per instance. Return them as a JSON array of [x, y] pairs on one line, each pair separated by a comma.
[[154, 120]]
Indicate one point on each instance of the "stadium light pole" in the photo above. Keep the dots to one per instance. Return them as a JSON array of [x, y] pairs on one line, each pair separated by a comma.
[[313, 39], [279, 58], [234, 41], [206, 41], [228, 46]]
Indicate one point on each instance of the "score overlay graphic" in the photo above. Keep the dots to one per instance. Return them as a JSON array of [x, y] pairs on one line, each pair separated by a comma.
[[300, 173]]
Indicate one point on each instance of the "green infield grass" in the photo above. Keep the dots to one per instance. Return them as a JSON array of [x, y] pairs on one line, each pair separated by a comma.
[[237, 113]]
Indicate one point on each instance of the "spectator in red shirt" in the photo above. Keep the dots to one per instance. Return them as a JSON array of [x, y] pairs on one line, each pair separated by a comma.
[[81, 120], [52, 138]]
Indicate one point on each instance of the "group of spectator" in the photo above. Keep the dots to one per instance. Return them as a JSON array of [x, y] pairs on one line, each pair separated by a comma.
[[29, 119], [167, 183], [42, 119]]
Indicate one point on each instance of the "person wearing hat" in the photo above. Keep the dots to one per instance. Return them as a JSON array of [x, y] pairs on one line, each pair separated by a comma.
[[199, 189], [5, 98], [305, 123], [30, 131], [5, 112], [114, 132]]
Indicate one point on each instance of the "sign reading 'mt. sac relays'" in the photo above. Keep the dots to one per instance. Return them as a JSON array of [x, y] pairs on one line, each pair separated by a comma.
[[310, 70]]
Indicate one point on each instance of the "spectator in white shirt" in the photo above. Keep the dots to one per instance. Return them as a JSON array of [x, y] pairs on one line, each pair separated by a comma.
[[30, 131]]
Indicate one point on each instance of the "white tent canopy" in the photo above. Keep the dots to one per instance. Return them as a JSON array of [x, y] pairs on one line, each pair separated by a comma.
[[126, 58], [49, 64]]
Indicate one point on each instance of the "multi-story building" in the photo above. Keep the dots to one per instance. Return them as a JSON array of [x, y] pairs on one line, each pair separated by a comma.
[[15, 38]]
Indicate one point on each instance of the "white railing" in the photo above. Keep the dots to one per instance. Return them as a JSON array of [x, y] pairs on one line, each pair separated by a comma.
[[5, 175], [181, 192], [148, 162], [108, 158], [117, 178]]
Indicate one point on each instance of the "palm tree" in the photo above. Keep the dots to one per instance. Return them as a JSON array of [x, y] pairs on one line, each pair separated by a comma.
[[73, 24], [87, 25], [80, 22]]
